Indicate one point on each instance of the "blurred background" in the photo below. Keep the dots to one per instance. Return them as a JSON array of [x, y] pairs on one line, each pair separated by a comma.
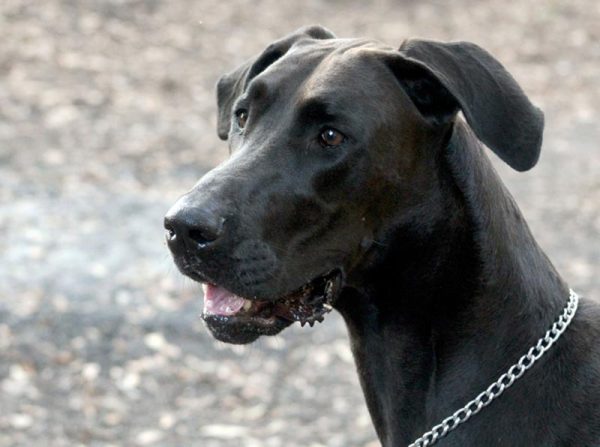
[[107, 115]]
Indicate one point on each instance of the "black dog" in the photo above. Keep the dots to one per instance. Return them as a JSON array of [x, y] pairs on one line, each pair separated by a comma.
[[354, 183]]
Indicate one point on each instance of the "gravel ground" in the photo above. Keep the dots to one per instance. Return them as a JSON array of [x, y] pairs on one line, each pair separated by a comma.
[[107, 114]]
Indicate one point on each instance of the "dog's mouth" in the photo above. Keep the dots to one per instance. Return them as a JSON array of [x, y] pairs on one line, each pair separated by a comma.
[[235, 319]]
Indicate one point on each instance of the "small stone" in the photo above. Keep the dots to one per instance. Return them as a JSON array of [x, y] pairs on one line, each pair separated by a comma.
[[155, 341], [98, 270], [129, 381], [223, 431], [148, 437], [166, 421], [90, 371], [20, 421]]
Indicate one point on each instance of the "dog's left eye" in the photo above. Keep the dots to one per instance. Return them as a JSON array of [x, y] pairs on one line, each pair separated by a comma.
[[241, 117], [331, 137]]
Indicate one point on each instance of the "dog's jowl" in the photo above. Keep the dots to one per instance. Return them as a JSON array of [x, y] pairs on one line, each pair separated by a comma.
[[355, 184]]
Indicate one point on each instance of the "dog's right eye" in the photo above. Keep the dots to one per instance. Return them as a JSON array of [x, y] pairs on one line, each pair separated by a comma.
[[241, 117], [331, 137]]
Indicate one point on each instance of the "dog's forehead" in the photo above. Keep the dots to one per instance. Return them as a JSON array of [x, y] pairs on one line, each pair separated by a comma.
[[344, 68], [354, 69]]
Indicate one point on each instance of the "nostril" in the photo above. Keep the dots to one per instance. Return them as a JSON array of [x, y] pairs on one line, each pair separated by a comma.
[[202, 237], [170, 232]]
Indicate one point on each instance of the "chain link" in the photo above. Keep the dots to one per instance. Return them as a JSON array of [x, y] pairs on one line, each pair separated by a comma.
[[505, 380]]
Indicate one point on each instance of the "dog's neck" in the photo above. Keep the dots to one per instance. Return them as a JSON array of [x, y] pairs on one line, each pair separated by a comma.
[[463, 298]]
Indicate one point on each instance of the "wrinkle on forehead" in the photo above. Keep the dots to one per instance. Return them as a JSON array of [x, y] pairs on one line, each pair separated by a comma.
[[353, 68], [304, 65]]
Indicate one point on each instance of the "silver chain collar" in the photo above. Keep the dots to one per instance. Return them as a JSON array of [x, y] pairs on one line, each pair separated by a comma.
[[505, 380]]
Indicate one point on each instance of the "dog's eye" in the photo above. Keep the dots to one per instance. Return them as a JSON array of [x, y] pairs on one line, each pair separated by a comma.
[[241, 117], [331, 137]]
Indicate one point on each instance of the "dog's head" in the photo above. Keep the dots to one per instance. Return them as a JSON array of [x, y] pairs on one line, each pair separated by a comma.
[[333, 142]]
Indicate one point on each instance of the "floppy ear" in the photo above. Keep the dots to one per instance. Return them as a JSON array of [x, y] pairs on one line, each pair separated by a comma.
[[442, 78], [233, 84]]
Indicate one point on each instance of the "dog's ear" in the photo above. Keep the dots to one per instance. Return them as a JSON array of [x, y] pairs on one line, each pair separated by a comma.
[[442, 78], [233, 84]]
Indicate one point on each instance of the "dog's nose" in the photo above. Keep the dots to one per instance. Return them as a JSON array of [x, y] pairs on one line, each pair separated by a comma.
[[192, 227]]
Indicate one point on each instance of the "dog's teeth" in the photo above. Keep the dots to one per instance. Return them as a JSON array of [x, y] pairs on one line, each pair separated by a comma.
[[302, 323], [204, 288], [312, 323], [247, 304]]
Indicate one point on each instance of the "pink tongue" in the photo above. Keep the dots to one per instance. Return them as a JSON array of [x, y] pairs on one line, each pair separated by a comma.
[[218, 301]]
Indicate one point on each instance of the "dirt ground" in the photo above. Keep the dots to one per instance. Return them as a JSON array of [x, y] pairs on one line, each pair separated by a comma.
[[107, 115]]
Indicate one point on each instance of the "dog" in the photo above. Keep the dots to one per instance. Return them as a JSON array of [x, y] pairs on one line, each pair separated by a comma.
[[357, 180]]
